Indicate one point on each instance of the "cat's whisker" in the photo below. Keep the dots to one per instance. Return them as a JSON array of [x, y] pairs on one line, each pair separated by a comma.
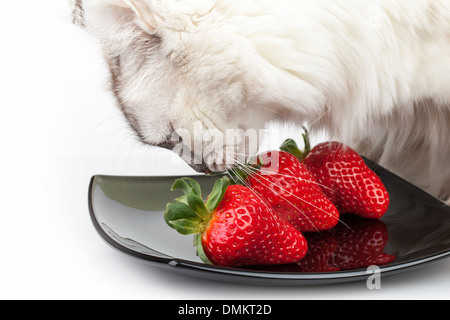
[[245, 183], [290, 203], [290, 193], [294, 177], [262, 170], [329, 109], [266, 172]]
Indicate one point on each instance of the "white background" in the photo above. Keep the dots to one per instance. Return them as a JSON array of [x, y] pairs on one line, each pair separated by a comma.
[[59, 126]]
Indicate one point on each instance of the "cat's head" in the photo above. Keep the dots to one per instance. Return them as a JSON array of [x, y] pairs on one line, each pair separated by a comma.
[[186, 71]]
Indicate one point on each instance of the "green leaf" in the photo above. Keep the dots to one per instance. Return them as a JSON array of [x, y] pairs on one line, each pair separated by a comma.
[[291, 147], [188, 214], [185, 226], [188, 185], [183, 219], [179, 210], [198, 206], [307, 142], [240, 174], [217, 194], [192, 198], [200, 251], [182, 184], [182, 199], [195, 186]]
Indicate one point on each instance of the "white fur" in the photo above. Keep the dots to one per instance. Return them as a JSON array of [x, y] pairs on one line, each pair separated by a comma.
[[374, 73]]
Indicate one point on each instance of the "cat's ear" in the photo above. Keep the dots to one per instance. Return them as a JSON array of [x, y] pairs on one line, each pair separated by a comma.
[[108, 15]]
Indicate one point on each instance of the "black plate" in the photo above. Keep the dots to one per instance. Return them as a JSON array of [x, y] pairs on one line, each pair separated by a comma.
[[127, 212]]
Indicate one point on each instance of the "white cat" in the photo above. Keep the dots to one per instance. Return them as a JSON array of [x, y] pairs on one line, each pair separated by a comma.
[[374, 73]]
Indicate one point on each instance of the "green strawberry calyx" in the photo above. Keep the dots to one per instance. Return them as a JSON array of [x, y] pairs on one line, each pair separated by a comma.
[[291, 146], [240, 173], [189, 214]]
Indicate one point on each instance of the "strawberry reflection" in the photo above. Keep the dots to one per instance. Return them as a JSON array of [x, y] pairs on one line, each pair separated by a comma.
[[321, 247], [354, 243], [357, 242]]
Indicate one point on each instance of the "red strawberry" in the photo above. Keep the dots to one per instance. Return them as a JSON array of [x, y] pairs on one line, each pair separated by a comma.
[[234, 227], [293, 192], [344, 178]]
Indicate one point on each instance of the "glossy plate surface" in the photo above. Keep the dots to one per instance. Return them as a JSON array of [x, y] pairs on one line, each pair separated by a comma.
[[127, 212]]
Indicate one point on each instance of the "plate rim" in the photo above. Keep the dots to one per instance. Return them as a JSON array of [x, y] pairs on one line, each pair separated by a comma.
[[258, 276]]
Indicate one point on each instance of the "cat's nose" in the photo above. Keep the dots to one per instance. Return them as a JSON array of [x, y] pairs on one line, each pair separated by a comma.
[[202, 168], [171, 142], [190, 158], [168, 144]]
